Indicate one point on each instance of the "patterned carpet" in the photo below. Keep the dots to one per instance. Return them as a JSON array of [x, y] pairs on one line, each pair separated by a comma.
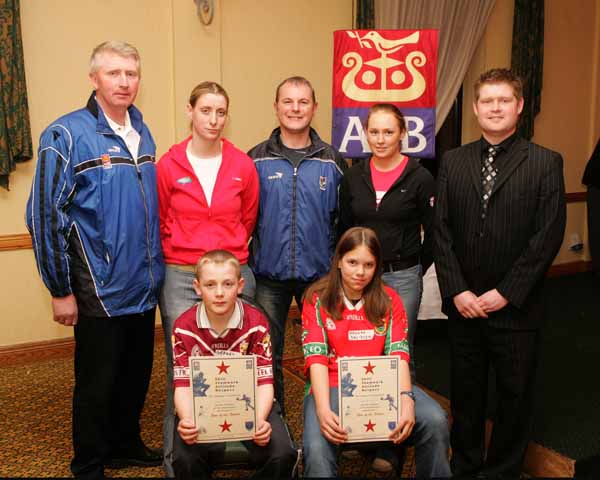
[[35, 428]]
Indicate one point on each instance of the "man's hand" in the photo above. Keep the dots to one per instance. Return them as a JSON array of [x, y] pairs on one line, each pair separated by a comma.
[[65, 310], [468, 306], [406, 421], [187, 431], [330, 427], [492, 301], [262, 436]]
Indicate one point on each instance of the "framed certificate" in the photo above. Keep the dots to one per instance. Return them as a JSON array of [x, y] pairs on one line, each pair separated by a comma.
[[224, 397], [369, 397]]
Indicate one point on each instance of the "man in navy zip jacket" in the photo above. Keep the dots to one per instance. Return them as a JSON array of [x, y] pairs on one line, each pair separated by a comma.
[[93, 218], [296, 229]]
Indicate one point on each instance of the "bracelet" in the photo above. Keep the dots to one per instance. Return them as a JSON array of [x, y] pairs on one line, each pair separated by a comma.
[[410, 394]]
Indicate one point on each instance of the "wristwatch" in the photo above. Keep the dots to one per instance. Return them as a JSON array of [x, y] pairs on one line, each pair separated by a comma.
[[410, 394]]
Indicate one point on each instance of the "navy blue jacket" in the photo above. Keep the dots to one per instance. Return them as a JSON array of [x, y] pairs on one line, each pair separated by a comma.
[[296, 230], [93, 215]]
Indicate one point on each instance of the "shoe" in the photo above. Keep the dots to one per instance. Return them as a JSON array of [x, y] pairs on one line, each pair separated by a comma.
[[381, 465], [142, 456]]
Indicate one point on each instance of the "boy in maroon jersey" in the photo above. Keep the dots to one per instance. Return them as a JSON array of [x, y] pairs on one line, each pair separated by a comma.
[[223, 324]]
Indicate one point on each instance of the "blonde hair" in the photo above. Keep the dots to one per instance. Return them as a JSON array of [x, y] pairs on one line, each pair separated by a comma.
[[219, 257], [207, 87], [118, 47]]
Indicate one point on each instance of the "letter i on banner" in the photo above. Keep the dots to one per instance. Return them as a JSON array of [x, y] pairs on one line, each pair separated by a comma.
[[384, 66]]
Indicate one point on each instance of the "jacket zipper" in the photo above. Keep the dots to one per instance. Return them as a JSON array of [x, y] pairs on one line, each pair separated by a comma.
[[145, 201], [294, 185]]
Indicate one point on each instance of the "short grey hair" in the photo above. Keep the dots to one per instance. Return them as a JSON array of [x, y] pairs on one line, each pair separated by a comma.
[[118, 47]]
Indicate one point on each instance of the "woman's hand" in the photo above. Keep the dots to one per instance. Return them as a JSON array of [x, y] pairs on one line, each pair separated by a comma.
[[330, 427], [406, 421], [187, 431]]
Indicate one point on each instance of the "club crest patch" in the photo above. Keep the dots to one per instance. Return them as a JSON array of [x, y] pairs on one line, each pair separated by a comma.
[[322, 182]]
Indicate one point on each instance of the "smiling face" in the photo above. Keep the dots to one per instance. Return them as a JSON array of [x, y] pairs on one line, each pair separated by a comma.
[[208, 116], [497, 111], [357, 268], [295, 108], [384, 135], [218, 284], [116, 82]]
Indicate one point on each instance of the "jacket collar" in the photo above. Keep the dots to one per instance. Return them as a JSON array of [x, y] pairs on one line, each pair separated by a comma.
[[102, 125], [275, 146], [412, 164], [517, 153]]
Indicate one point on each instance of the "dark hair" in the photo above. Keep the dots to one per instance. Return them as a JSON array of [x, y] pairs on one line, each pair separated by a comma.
[[330, 287], [387, 108], [296, 80], [500, 75], [207, 87]]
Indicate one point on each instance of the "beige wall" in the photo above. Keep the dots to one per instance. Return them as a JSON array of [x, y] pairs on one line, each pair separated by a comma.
[[568, 121], [249, 48]]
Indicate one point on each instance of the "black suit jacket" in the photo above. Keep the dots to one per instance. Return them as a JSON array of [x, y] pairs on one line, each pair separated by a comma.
[[514, 245]]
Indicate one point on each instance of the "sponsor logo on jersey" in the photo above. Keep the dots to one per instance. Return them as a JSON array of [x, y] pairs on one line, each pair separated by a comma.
[[360, 335], [277, 176], [184, 180]]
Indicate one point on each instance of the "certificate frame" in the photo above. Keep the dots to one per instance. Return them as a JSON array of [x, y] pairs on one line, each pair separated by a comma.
[[224, 397], [369, 397]]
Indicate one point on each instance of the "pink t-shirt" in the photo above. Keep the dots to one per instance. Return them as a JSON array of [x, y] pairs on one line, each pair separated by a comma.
[[382, 181]]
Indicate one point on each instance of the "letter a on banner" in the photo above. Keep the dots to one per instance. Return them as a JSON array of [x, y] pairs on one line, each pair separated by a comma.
[[384, 66]]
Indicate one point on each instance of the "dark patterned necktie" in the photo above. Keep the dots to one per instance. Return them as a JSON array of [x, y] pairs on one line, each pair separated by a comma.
[[488, 174]]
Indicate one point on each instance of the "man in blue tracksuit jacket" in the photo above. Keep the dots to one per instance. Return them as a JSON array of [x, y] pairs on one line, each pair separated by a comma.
[[295, 233], [93, 218]]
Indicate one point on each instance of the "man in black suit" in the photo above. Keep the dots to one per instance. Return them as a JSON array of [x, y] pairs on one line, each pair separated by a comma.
[[500, 220]]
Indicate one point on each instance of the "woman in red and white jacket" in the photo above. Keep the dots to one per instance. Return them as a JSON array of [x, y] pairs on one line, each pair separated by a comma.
[[208, 199]]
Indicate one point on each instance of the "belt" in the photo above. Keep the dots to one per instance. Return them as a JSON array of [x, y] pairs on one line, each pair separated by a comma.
[[401, 264], [185, 268]]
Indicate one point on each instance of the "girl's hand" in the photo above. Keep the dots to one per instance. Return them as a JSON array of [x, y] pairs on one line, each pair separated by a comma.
[[406, 421], [330, 427]]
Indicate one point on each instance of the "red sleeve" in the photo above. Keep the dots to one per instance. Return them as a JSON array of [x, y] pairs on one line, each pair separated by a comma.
[[250, 199], [261, 347], [314, 337], [181, 362], [163, 183], [396, 342]]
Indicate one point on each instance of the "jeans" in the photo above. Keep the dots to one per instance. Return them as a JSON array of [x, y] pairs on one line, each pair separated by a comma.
[[430, 438], [176, 297], [275, 297], [408, 283]]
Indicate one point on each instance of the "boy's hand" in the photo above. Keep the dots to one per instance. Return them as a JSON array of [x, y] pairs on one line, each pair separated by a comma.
[[262, 436], [187, 431]]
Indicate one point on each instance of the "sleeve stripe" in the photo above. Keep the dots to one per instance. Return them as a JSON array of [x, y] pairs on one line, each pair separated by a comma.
[[54, 227]]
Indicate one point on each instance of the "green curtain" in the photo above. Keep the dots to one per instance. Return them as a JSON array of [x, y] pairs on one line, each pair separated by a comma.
[[528, 58], [365, 14], [15, 131]]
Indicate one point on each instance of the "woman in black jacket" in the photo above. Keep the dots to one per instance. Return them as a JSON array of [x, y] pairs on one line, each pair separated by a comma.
[[393, 195]]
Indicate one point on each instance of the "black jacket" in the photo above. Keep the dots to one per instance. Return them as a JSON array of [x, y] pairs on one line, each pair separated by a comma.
[[512, 247], [404, 208]]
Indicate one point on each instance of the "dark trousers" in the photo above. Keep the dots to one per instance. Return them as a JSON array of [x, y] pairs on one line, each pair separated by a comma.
[[113, 363], [513, 354], [275, 297], [593, 217], [273, 461]]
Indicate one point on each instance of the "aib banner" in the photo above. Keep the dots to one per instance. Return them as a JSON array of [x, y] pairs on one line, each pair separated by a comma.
[[392, 66]]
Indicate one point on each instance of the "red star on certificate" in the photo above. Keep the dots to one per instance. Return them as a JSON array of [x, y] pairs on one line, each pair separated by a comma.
[[370, 426], [369, 368], [225, 426], [223, 368]]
